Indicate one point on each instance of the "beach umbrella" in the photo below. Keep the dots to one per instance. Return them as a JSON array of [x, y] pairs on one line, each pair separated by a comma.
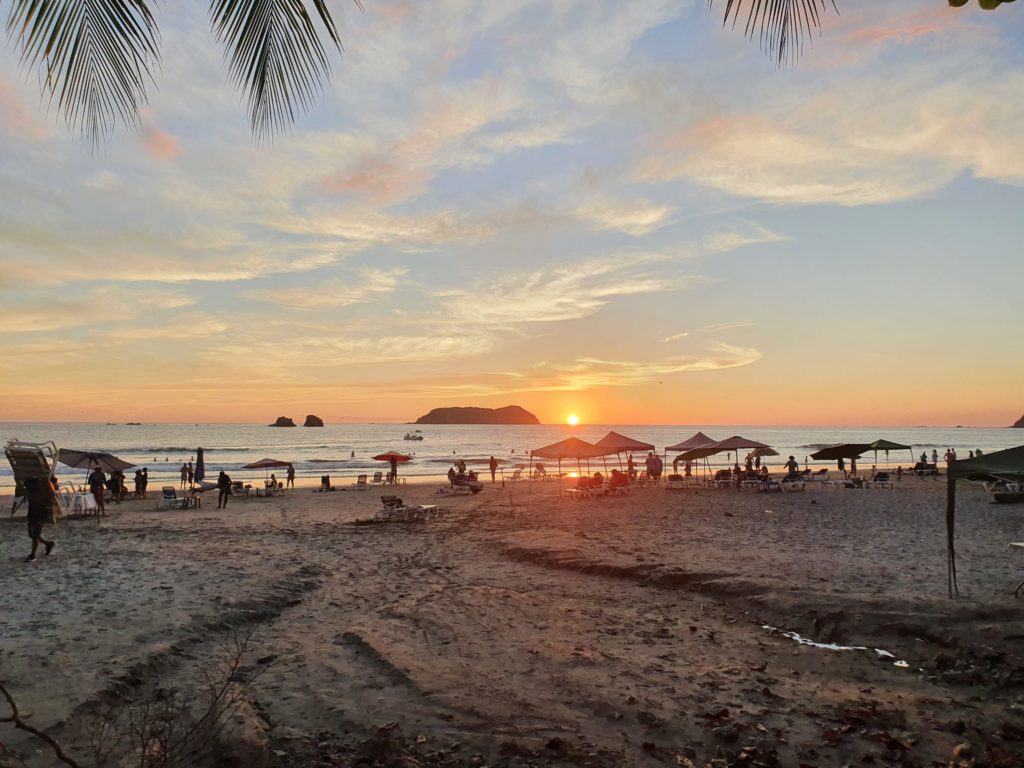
[[764, 452], [108, 462], [841, 451], [267, 465], [393, 458], [200, 470]]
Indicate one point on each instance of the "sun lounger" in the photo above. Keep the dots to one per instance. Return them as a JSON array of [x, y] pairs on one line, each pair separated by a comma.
[[881, 480], [393, 509], [516, 476], [378, 478], [789, 485], [171, 500], [360, 484]]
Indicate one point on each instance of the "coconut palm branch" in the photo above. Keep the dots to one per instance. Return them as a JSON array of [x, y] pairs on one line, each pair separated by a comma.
[[97, 57], [781, 25]]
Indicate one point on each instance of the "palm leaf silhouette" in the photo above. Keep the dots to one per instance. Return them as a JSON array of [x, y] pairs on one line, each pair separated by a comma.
[[780, 25]]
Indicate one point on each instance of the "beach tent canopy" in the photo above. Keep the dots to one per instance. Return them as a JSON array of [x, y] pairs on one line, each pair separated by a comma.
[[734, 443], [764, 452], [617, 443], [737, 443], [699, 440], [267, 464], [887, 445], [1008, 464], [389, 455], [841, 451], [571, 448], [108, 462]]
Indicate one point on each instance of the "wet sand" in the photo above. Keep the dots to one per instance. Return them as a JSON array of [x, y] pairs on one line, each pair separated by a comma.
[[521, 629]]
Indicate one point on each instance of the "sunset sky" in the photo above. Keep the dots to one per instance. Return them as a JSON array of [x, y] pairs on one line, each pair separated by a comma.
[[616, 209]]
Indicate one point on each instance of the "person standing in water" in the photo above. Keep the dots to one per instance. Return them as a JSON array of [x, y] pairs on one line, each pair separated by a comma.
[[290, 478]]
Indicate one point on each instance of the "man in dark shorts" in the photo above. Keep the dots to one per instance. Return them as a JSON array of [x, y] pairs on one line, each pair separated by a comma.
[[40, 512], [223, 490], [97, 482]]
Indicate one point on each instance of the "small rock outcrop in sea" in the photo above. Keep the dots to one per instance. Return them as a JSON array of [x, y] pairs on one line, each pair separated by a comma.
[[1019, 423], [510, 414], [313, 421], [282, 421]]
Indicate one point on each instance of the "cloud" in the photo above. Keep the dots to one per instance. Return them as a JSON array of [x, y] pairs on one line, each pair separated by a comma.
[[555, 294], [16, 119], [636, 218], [98, 306], [367, 285], [860, 143], [160, 144], [703, 329]]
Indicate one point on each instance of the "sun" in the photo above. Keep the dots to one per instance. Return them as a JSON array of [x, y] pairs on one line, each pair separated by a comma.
[[572, 419]]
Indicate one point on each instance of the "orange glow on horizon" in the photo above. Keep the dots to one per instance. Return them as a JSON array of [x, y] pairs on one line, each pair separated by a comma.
[[572, 420]]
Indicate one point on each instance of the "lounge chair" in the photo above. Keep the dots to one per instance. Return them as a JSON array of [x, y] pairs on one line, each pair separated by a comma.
[[378, 478], [360, 484], [171, 500], [516, 476], [881, 480], [790, 484], [394, 509]]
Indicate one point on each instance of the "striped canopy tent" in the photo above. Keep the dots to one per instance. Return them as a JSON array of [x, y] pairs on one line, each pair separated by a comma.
[[1008, 465], [570, 448]]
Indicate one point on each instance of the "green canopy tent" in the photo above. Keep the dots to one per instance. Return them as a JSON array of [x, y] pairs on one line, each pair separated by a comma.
[[889, 445], [851, 451], [1008, 464]]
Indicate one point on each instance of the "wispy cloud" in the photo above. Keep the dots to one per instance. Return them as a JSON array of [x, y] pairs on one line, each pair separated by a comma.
[[364, 286], [705, 329]]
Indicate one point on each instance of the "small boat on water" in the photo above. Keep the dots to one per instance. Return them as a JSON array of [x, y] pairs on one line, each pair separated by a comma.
[[412, 437]]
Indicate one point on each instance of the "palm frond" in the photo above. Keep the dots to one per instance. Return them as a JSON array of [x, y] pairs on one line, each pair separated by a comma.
[[95, 57], [275, 56], [781, 25]]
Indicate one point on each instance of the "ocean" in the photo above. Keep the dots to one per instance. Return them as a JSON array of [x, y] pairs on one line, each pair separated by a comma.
[[344, 450]]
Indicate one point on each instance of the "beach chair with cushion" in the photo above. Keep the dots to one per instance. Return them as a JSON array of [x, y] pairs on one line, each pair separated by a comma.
[[378, 478], [516, 476], [170, 499], [394, 509], [360, 484], [881, 480]]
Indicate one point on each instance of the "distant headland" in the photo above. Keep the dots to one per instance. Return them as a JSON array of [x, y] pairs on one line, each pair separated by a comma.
[[510, 414], [1019, 423]]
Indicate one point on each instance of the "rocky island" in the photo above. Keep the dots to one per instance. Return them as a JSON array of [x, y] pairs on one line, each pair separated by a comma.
[[282, 421], [313, 421], [1019, 423], [510, 414]]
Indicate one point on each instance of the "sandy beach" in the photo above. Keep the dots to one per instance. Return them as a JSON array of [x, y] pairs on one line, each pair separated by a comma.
[[520, 629]]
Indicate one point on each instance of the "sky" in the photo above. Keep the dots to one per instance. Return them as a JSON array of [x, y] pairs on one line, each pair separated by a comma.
[[619, 210]]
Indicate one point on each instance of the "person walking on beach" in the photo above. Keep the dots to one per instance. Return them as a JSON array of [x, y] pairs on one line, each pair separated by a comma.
[[394, 469], [189, 473], [145, 481], [184, 474], [97, 482], [223, 489], [950, 457], [290, 478], [935, 456], [493, 464], [40, 496]]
